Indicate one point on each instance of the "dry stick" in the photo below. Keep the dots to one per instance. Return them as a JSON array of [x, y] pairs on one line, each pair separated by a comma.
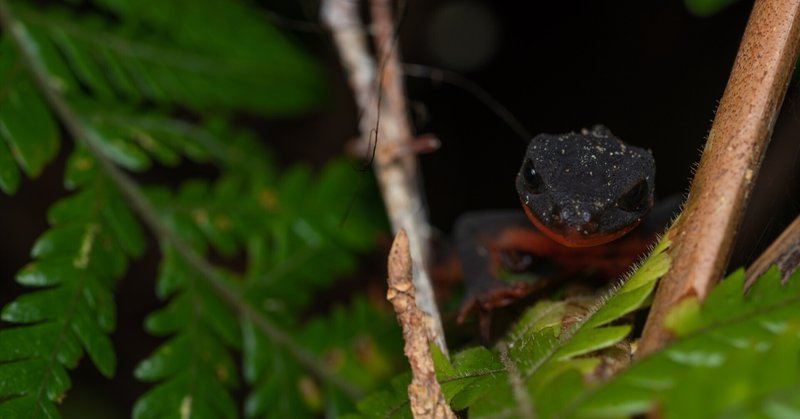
[[82, 133], [396, 170], [783, 252], [424, 393], [703, 235]]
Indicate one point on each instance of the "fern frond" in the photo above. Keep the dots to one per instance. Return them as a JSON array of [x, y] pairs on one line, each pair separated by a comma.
[[194, 368], [27, 128], [359, 342], [543, 349], [548, 351], [391, 402], [736, 356], [93, 63], [241, 211], [303, 238], [167, 138], [115, 80], [151, 58], [159, 55], [72, 310]]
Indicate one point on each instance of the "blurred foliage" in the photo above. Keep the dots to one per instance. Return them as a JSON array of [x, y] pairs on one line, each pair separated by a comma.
[[552, 340], [156, 83], [707, 7], [77, 263], [736, 356]]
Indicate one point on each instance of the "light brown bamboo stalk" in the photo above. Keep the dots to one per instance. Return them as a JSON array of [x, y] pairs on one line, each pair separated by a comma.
[[385, 120], [702, 237]]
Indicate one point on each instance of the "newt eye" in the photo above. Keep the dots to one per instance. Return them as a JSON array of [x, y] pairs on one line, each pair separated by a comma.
[[635, 199], [533, 180]]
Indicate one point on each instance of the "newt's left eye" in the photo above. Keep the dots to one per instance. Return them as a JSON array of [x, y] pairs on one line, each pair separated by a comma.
[[533, 180], [635, 199]]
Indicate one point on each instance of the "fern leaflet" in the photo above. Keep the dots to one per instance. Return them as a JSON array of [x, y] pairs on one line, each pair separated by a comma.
[[72, 311], [195, 368], [736, 356]]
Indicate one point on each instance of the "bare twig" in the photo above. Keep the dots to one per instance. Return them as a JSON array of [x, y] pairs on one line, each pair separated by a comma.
[[424, 393], [703, 235], [385, 122], [83, 133], [783, 252]]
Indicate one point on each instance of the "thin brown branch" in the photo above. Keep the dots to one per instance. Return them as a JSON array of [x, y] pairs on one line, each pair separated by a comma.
[[379, 94], [84, 134], [784, 252], [424, 393], [703, 235]]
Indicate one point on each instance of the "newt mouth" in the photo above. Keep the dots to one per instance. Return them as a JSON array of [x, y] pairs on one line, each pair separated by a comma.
[[580, 236]]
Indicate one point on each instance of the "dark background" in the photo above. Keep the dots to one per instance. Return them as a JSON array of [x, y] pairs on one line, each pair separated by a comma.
[[650, 71]]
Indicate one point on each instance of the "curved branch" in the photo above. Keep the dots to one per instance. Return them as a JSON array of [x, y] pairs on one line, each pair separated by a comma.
[[703, 235]]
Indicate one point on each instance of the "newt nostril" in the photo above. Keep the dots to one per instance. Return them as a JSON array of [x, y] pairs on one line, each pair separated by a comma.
[[578, 219], [566, 216]]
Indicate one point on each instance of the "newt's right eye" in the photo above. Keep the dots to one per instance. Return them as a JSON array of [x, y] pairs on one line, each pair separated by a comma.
[[533, 180], [635, 199]]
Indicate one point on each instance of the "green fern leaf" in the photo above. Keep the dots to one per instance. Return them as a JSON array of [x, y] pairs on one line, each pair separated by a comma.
[[359, 342], [301, 221], [544, 353], [160, 56], [77, 263], [89, 63], [553, 362], [736, 356], [26, 125], [194, 369], [108, 67], [300, 240], [9, 174], [389, 403], [477, 380]]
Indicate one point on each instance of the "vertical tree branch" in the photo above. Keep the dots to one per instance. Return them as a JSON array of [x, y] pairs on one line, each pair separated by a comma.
[[703, 235], [424, 393], [378, 89]]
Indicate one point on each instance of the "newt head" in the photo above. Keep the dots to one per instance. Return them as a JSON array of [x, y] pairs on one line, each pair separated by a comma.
[[585, 189]]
